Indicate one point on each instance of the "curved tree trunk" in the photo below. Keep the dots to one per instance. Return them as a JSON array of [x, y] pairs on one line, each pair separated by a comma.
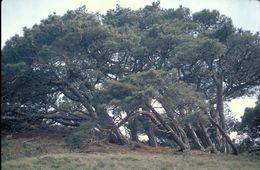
[[225, 136], [83, 99], [121, 139], [209, 142], [176, 138], [183, 135], [217, 136], [147, 124], [108, 124], [99, 114], [174, 124], [195, 137]]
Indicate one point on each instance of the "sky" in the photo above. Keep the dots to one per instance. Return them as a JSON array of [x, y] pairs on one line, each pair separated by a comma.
[[16, 14]]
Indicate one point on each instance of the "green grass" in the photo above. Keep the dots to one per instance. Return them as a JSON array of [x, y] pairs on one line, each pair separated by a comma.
[[28, 148], [34, 153], [113, 161]]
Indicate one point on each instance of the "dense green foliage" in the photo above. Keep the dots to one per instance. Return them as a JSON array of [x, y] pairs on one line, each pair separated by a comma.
[[251, 120], [249, 128]]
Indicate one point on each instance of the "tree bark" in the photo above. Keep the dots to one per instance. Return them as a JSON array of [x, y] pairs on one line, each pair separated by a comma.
[[121, 138], [209, 142], [195, 138], [176, 138], [147, 124], [220, 109], [225, 135], [133, 129], [108, 124], [80, 98], [174, 124], [217, 137], [183, 135], [220, 105]]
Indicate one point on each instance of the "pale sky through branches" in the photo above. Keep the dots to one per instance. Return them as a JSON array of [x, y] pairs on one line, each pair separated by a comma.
[[17, 14]]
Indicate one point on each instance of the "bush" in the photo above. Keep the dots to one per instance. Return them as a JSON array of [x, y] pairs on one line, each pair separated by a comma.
[[83, 135], [6, 142]]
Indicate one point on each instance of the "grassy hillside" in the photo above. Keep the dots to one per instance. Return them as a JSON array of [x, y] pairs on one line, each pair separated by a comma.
[[47, 152], [107, 161]]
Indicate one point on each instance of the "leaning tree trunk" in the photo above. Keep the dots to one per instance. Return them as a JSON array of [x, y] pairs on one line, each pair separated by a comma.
[[225, 135], [108, 124], [147, 124], [217, 136], [83, 99], [133, 129], [195, 137], [183, 135], [176, 138], [209, 142], [174, 124], [220, 109]]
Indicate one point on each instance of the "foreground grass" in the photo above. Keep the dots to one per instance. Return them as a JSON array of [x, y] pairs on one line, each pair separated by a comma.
[[132, 160], [50, 152]]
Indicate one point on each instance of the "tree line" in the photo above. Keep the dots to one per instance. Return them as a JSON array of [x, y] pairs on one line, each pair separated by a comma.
[[167, 70]]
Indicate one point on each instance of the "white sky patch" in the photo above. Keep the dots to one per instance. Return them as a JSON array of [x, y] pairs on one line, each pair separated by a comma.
[[238, 105], [157, 106], [233, 135], [143, 137], [122, 129]]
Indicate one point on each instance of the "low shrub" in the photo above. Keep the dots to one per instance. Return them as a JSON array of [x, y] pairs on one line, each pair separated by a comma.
[[81, 136]]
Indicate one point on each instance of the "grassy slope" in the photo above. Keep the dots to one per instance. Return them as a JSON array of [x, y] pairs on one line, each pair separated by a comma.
[[48, 151], [107, 161]]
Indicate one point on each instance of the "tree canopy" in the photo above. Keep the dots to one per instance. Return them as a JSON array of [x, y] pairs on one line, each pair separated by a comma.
[[170, 72], [251, 121]]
